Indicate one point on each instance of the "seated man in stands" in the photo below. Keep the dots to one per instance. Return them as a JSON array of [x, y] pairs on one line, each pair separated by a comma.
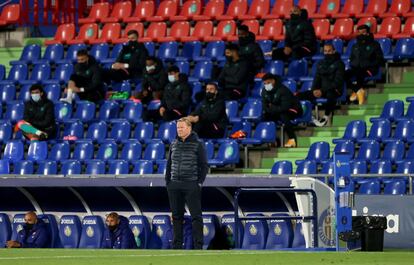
[[117, 233], [154, 80], [300, 38], [130, 62], [365, 61], [279, 104], [210, 118], [39, 116], [33, 235], [86, 81], [234, 77], [328, 82]]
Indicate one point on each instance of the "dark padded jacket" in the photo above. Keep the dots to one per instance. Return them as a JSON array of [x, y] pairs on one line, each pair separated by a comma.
[[41, 115], [155, 81], [330, 75], [250, 51], [177, 95], [92, 81], [366, 54], [235, 76], [121, 238], [300, 33], [187, 160], [212, 111], [37, 237], [134, 55]]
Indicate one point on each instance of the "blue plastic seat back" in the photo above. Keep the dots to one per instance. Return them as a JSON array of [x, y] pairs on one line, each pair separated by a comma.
[[327, 168], [191, 50], [74, 128], [30, 53], [83, 150], [280, 233], [63, 111], [183, 66], [168, 51], [394, 151], [7, 93], [17, 225], [386, 46], [14, 150], [150, 46], [215, 50], [265, 45], [118, 167], [95, 167], [92, 232], [97, 131], [5, 229], [291, 85], [161, 166], [46, 168], [18, 72], [405, 167], [297, 69], [392, 110], [404, 130], [154, 151], [252, 110], [410, 152], [307, 112], [345, 147], [380, 130], [6, 131], [14, 111], [355, 130], [53, 92], [100, 51], [228, 152], [167, 132], [70, 167], [142, 167], [24, 94], [52, 227], [245, 126], [307, 167], [358, 166], [266, 132], [232, 109], [2, 72], [132, 111], [70, 229], [59, 151], [255, 236], [209, 145], [23, 167], [72, 51], [211, 227], [141, 229], [369, 186], [85, 110], [144, 131], [116, 50], [107, 150], [53, 53], [404, 49], [4, 166], [348, 50], [395, 187], [120, 130], [109, 110], [283, 167], [228, 226], [318, 151], [298, 236], [40, 72], [161, 234], [131, 150], [381, 166], [203, 70], [37, 150], [63, 72], [368, 151], [275, 67]]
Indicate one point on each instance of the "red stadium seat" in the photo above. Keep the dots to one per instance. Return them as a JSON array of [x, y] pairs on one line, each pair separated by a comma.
[[86, 33], [143, 10], [98, 12], [178, 30], [155, 31], [121, 11], [329, 8], [390, 26], [272, 30], [374, 8], [236, 9], [281, 9], [257, 9], [370, 21], [223, 31], [139, 27], [165, 11], [64, 33], [110, 33], [351, 9], [310, 5], [398, 8], [201, 30], [10, 14], [408, 31], [254, 27], [322, 27], [213, 9], [343, 29], [189, 9]]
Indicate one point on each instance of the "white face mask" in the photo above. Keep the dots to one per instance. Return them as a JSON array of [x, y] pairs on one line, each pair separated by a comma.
[[268, 87], [35, 97], [149, 68], [171, 78]]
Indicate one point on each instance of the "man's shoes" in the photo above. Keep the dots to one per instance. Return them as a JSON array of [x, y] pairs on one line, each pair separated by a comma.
[[290, 143], [353, 96], [322, 122], [361, 96]]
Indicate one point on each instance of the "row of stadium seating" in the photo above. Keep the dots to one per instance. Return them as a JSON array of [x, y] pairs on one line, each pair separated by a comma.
[[10, 15], [70, 232]]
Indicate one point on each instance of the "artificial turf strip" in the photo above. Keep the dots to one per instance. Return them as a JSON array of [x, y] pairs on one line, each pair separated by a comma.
[[171, 257]]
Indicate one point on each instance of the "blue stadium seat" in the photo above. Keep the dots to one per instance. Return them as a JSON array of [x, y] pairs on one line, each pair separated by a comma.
[[155, 150], [123, 86], [368, 151], [381, 166], [17, 224], [327, 168], [120, 130], [118, 167], [7, 93], [291, 85], [394, 151], [283, 167], [97, 131], [183, 66], [404, 49], [392, 110], [52, 53], [4, 166], [395, 186], [405, 167], [53, 92], [168, 51], [5, 229], [59, 151], [142, 167], [280, 233], [228, 226], [297, 69], [46, 168], [70, 230], [150, 46], [17, 72], [144, 131], [232, 111], [52, 228], [131, 150], [307, 113], [74, 128], [95, 167], [298, 237], [256, 91], [141, 229], [14, 151], [370, 186], [345, 147], [256, 231], [190, 50], [358, 167], [100, 51], [70, 167], [306, 167], [132, 111], [167, 132], [202, 71], [265, 132], [252, 110], [404, 131], [14, 111], [107, 150], [386, 47], [6, 131], [85, 111], [244, 126], [61, 74], [161, 232], [2, 72], [29, 54], [228, 153], [211, 226], [209, 145], [108, 110], [348, 50], [380, 130], [114, 54], [161, 166], [83, 150], [318, 152], [37, 151], [196, 89], [71, 54], [410, 152], [265, 45], [39, 73], [23, 167], [275, 67], [92, 232], [354, 131], [154, 104], [214, 51]]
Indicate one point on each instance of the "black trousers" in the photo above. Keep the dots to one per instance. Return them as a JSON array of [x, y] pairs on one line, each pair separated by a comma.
[[297, 53], [179, 194], [169, 115], [331, 97], [285, 118], [208, 130], [355, 77], [116, 75]]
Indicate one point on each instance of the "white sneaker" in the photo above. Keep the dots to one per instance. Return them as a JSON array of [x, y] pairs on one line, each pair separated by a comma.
[[67, 100], [322, 122]]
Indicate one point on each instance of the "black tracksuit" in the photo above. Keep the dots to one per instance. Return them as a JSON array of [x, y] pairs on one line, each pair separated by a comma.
[[280, 104], [234, 79], [41, 115], [176, 99], [89, 76], [366, 59], [153, 83], [186, 171], [212, 118], [250, 51], [329, 78]]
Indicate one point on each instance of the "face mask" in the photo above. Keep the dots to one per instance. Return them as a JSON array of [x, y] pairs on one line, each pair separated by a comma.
[[150, 68], [243, 41], [171, 78], [330, 57], [132, 43], [268, 87], [229, 58], [112, 227], [35, 97], [294, 16], [363, 38], [28, 227], [210, 95]]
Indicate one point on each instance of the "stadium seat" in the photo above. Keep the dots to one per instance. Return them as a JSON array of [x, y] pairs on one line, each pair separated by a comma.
[[98, 12], [107, 150], [168, 51], [39, 73], [395, 186], [214, 51], [235, 10], [74, 128], [211, 227], [70, 167], [307, 113], [358, 167], [272, 30], [17, 225], [13, 151], [368, 151], [70, 229], [120, 130], [70, 57], [369, 187], [150, 46], [7, 93], [228, 153], [318, 152], [52, 53], [2, 72], [232, 109], [345, 147], [281, 9], [189, 9], [371, 22], [298, 236], [252, 110], [256, 233], [177, 31], [351, 8], [165, 11], [10, 14], [83, 150], [161, 166], [167, 132], [141, 229], [202, 71], [398, 8], [144, 131], [64, 33], [257, 9], [394, 151], [228, 226], [23, 167], [381, 166], [306, 167], [142, 167], [92, 232], [143, 10], [297, 69], [155, 150], [120, 11], [14, 111], [5, 229], [184, 68], [4, 166], [87, 32], [354, 131], [374, 8], [322, 28], [408, 30], [212, 11], [100, 52], [189, 51], [310, 5], [52, 227], [200, 31], [224, 30], [52, 92], [389, 27], [280, 233], [17, 72], [6, 131], [343, 28], [404, 49], [380, 130], [97, 131], [392, 110], [404, 131], [132, 111], [46, 168], [29, 54], [155, 32], [109, 110], [110, 32], [265, 132], [95, 167], [161, 232], [283, 167], [85, 111], [328, 9], [118, 167], [61, 74], [37, 151]]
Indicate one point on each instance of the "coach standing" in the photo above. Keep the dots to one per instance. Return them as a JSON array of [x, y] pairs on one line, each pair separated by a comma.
[[186, 171]]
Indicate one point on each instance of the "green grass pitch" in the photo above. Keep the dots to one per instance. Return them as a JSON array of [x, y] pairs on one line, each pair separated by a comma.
[[172, 257]]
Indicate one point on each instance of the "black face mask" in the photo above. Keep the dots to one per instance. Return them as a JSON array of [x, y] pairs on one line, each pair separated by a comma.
[[28, 227], [294, 17], [83, 66], [133, 44], [229, 58], [112, 227], [363, 38], [330, 57], [210, 96], [243, 41]]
